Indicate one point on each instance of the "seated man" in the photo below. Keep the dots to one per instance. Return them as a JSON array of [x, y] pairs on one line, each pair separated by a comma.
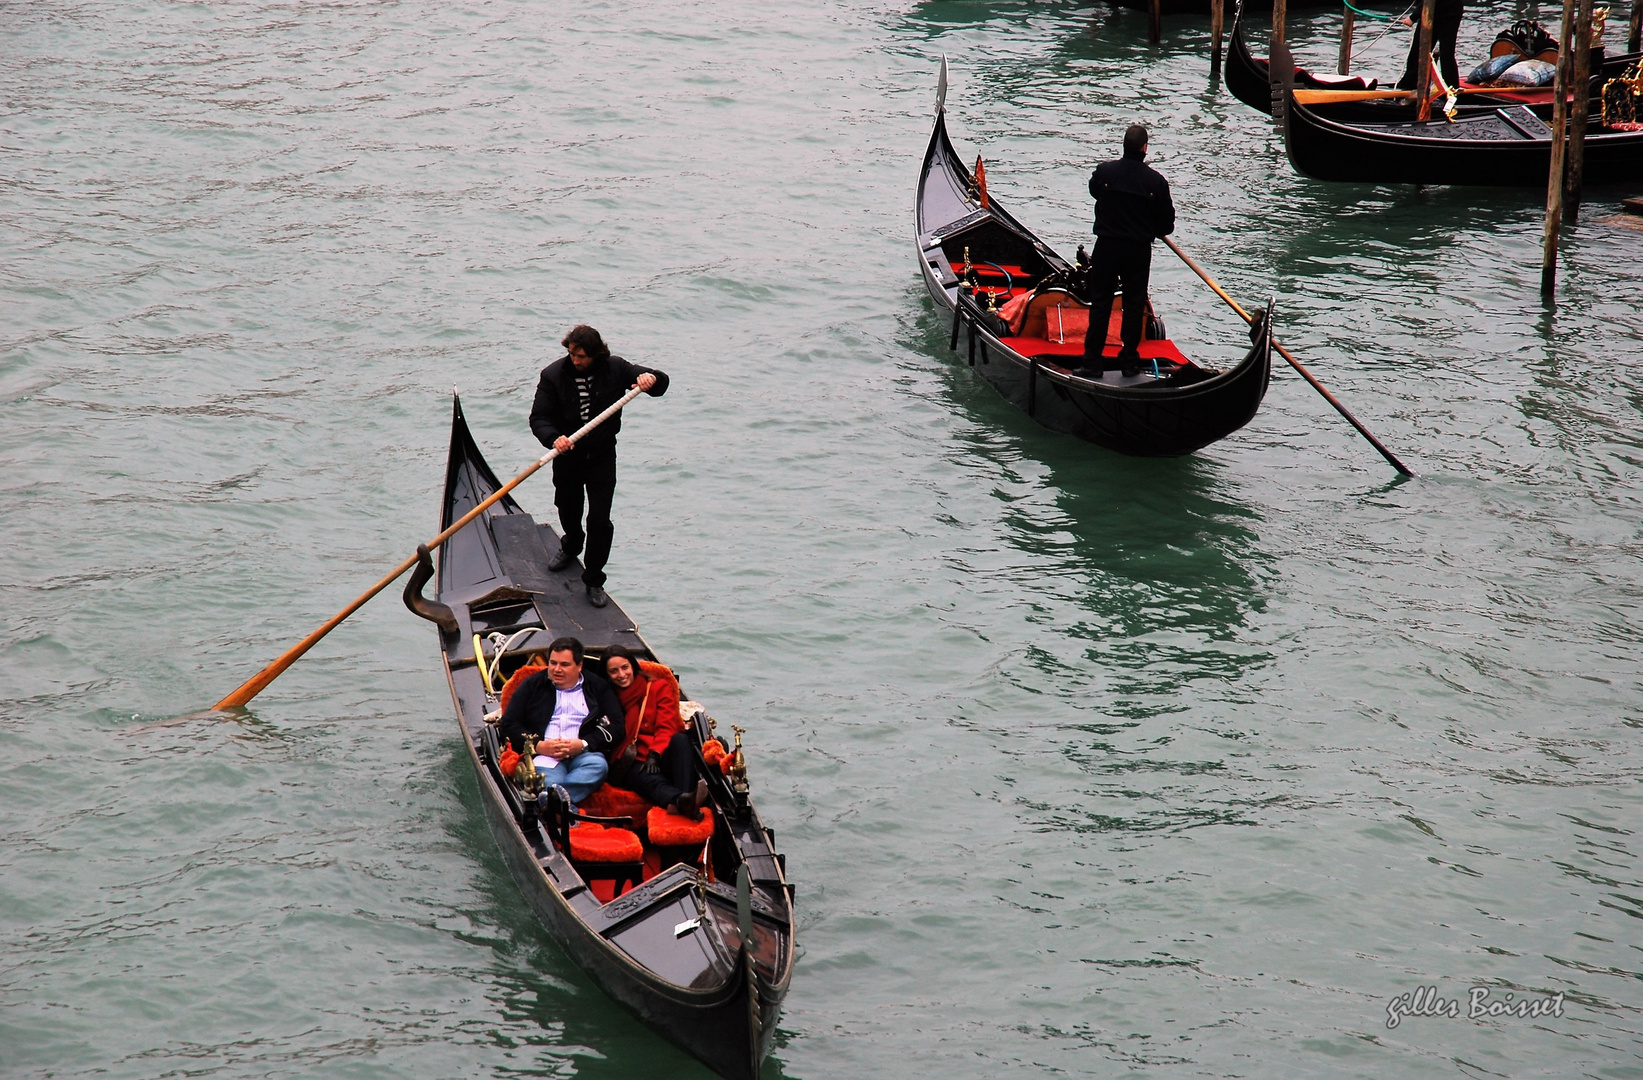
[[573, 720], [663, 771]]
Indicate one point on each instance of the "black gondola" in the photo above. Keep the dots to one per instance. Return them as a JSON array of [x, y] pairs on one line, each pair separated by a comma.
[[1173, 407], [1505, 146], [697, 943], [1248, 78]]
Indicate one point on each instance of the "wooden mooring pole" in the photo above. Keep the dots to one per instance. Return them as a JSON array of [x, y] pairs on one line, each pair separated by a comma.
[[1423, 59], [1155, 21], [1578, 109], [1217, 20], [1348, 20], [1276, 53], [1554, 179], [1634, 39]]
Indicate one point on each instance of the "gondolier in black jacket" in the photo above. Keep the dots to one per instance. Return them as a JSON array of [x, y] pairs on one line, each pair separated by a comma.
[[1132, 208], [572, 390]]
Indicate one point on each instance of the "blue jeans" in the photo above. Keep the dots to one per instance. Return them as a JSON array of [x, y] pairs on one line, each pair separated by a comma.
[[579, 776]]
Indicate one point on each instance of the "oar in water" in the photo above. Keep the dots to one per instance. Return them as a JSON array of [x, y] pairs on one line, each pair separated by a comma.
[[255, 686], [1294, 363]]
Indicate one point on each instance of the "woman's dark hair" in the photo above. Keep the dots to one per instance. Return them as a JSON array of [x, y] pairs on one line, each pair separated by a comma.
[[587, 339], [1135, 141], [567, 644], [626, 654]]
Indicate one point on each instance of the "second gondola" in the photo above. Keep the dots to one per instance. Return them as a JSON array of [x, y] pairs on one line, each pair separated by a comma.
[[974, 255]]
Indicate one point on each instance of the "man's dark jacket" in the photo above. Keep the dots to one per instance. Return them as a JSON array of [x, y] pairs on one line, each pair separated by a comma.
[[557, 410], [531, 707], [1131, 201]]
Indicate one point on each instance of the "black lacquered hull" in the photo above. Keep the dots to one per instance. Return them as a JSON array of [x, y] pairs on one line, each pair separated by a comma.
[[1143, 421], [1478, 150], [703, 989]]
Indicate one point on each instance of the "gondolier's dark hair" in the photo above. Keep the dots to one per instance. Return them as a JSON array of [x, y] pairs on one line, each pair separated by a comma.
[[1135, 141], [567, 644], [626, 654], [587, 339]]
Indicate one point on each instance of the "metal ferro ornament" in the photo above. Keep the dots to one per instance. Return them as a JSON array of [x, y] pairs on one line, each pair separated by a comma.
[[525, 774], [738, 763]]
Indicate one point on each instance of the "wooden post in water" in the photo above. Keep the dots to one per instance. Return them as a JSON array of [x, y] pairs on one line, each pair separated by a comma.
[[1423, 57], [1578, 108], [1275, 53], [1634, 39], [1348, 19], [1155, 21], [1217, 20], [1554, 179]]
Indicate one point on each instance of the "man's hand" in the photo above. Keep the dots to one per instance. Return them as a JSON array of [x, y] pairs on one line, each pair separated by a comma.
[[560, 749], [646, 381], [563, 445]]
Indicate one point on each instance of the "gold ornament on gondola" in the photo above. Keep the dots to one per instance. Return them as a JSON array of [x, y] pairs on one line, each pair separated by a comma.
[[738, 763], [525, 776], [1622, 99], [969, 277]]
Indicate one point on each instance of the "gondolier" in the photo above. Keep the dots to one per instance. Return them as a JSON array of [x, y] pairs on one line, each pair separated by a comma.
[[1132, 209], [571, 391]]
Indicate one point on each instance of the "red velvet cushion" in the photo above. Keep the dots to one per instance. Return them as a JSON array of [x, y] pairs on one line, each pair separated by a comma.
[[597, 844], [534, 665], [668, 829], [1149, 350]]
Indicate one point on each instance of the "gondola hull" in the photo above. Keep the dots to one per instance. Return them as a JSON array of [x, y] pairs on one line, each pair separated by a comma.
[[1143, 419], [701, 989], [1499, 148]]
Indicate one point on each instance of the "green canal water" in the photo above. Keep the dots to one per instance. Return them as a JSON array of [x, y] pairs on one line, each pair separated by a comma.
[[1084, 765]]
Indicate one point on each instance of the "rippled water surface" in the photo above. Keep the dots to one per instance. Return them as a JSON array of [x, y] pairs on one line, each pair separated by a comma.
[[1084, 765]]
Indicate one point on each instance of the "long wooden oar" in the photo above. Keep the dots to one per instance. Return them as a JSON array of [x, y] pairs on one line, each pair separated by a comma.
[[1294, 363], [255, 686], [1330, 97]]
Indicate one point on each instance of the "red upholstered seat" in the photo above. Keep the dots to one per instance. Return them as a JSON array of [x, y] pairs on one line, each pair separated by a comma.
[[591, 843], [668, 829], [1056, 351]]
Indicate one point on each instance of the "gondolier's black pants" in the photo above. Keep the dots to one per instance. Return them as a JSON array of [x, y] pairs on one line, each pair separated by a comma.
[[572, 475], [675, 774], [1446, 20], [1114, 261]]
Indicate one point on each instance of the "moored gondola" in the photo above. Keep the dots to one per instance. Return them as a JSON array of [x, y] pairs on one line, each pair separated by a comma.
[[688, 924], [1175, 406], [1503, 146], [1248, 78]]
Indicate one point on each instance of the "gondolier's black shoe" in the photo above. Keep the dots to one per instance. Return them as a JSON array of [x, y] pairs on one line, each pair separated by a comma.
[[597, 597], [561, 560], [1131, 362]]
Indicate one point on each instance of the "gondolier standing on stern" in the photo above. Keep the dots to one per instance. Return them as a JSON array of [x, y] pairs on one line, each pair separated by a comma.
[[573, 390], [1132, 209]]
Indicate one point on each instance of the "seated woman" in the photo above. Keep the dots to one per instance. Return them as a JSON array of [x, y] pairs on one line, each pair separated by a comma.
[[663, 770]]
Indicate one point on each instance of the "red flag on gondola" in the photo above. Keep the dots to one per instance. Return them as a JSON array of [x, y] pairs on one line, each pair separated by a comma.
[[981, 182]]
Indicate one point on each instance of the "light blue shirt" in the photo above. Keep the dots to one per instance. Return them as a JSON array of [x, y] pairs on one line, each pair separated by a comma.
[[570, 708]]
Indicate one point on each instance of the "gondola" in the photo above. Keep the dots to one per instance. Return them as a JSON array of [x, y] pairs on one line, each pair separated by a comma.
[[696, 941], [1248, 79], [1175, 406], [1505, 146]]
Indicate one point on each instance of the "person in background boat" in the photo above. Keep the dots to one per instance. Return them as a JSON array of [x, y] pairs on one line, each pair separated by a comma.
[[663, 769], [1132, 209], [572, 718], [573, 390], [1446, 19]]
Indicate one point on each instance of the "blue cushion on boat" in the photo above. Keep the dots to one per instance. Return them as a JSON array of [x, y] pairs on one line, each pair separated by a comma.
[[1529, 73], [1492, 69]]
